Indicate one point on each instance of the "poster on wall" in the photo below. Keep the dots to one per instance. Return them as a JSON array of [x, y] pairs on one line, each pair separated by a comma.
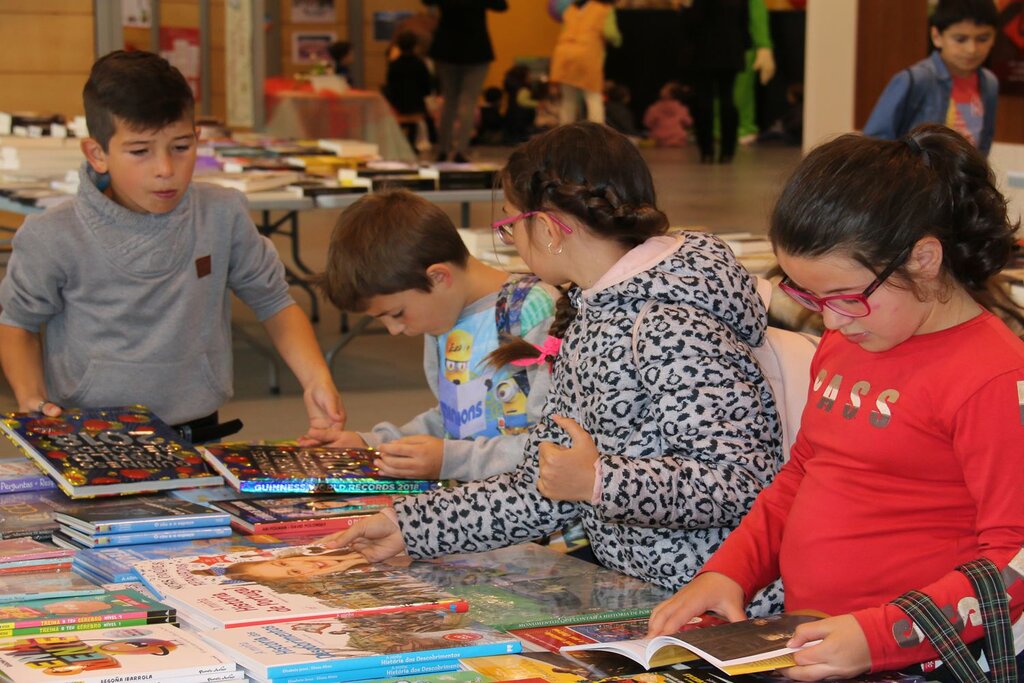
[[1007, 57], [313, 12], [180, 46], [136, 13], [311, 48]]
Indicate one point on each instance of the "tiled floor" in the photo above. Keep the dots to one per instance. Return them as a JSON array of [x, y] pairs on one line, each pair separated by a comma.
[[381, 377]]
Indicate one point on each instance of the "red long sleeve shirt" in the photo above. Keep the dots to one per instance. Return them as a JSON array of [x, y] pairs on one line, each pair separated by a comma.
[[908, 463]]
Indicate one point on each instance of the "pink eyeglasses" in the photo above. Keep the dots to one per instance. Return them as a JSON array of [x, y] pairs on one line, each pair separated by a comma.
[[505, 225]]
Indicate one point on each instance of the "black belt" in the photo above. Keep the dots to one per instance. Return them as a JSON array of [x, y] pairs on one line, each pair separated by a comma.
[[206, 429]]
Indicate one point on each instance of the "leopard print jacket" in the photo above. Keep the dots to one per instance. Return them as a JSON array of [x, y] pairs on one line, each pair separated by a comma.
[[657, 368]]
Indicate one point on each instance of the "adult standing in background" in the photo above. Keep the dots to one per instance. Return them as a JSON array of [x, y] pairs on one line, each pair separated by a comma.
[[577, 64], [462, 53]]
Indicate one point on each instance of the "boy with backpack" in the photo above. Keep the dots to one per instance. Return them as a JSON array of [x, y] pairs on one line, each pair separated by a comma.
[[397, 257]]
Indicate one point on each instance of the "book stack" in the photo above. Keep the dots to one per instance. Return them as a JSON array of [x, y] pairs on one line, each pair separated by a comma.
[[99, 609], [108, 451], [299, 515], [23, 555], [39, 156], [150, 519], [250, 181]]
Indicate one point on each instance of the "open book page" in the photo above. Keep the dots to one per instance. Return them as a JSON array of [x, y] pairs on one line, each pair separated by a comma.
[[626, 638]]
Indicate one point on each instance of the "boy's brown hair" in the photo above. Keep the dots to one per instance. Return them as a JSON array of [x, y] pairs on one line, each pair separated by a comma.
[[383, 244]]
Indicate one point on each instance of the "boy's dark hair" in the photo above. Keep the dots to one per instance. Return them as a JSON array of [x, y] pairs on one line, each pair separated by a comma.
[[141, 89], [493, 95], [383, 244], [871, 199], [406, 41], [339, 49], [949, 12]]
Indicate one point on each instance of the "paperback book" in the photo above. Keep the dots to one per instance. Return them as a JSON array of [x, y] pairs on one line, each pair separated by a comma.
[[30, 514], [278, 468], [157, 652], [108, 451], [104, 606], [17, 551], [140, 537], [273, 585], [741, 647], [17, 588], [149, 513], [349, 648], [282, 516], [19, 474]]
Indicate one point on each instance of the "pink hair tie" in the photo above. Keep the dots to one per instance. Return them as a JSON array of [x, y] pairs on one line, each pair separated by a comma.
[[548, 352]]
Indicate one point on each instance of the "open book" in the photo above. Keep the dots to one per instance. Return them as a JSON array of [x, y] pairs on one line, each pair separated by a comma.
[[738, 648]]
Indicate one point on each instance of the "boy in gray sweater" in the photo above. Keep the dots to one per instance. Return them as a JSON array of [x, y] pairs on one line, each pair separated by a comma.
[[131, 279]]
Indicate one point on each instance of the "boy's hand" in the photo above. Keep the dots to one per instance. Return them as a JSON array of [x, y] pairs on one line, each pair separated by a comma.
[[568, 473], [377, 538], [842, 653], [331, 438], [412, 457], [47, 408], [710, 592]]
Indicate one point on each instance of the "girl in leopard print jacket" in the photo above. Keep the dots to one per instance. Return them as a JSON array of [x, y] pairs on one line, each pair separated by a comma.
[[660, 428]]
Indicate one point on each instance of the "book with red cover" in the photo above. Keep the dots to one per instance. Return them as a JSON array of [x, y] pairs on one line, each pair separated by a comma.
[[305, 515]]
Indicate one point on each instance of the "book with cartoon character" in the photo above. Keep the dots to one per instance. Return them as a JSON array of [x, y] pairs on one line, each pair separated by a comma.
[[108, 451]]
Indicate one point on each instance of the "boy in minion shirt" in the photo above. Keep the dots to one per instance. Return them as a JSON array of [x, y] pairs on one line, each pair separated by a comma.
[[398, 258]]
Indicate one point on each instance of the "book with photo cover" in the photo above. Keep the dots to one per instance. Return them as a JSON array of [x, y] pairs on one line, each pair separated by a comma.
[[103, 606], [156, 652], [736, 648], [17, 474], [30, 514], [276, 585], [347, 648], [108, 451], [147, 513], [280, 468], [305, 515]]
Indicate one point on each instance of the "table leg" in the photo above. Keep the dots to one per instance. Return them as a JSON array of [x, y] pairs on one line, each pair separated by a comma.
[[354, 331], [268, 227]]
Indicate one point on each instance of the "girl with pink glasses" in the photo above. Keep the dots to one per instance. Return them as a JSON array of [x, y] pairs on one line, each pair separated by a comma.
[[660, 428], [909, 462]]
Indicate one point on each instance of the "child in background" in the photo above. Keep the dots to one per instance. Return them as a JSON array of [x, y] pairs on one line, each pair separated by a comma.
[[909, 460], [522, 107], [660, 429], [950, 86], [617, 113], [398, 258], [668, 119], [131, 278], [340, 52], [548, 98], [491, 125], [408, 83]]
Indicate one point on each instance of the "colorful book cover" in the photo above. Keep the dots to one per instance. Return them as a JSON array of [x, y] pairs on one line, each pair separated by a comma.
[[108, 451], [83, 626], [17, 550], [550, 667], [18, 474], [144, 537], [157, 652], [30, 514], [38, 585], [148, 513], [272, 585], [279, 468], [346, 646], [459, 676], [104, 606], [299, 514]]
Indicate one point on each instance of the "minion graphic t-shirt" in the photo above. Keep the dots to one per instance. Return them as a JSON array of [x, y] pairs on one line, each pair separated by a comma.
[[477, 399]]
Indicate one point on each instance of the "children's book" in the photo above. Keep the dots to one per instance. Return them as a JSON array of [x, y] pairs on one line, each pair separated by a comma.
[[457, 676], [150, 513], [299, 514], [19, 474], [101, 607], [348, 647], [38, 585], [157, 652], [30, 514], [274, 585], [108, 451], [551, 667], [738, 648], [142, 537], [278, 468], [18, 550]]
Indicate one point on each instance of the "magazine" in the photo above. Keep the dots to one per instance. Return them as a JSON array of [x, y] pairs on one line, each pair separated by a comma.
[[738, 648], [273, 585], [149, 513], [299, 514], [348, 647], [279, 468], [108, 451]]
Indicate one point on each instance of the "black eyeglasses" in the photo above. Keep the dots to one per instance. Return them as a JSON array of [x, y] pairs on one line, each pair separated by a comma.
[[849, 305]]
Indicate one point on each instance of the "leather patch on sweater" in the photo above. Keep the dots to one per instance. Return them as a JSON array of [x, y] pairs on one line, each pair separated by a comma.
[[204, 266]]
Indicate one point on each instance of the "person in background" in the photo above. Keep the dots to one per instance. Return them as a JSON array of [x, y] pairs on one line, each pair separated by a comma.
[[617, 113], [491, 128], [668, 119], [462, 52], [577, 63], [909, 461], [522, 107], [950, 86], [340, 52], [407, 83], [131, 278]]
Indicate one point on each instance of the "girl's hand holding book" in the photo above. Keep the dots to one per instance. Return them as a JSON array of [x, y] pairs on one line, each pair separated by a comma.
[[419, 456], [708, 592], [842, 653], [568, 473], [377, 537]]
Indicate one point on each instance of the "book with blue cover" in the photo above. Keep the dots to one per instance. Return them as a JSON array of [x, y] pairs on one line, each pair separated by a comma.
[[108, 451], [142, 537], [148, 513], [354, 648], [18, 474]]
